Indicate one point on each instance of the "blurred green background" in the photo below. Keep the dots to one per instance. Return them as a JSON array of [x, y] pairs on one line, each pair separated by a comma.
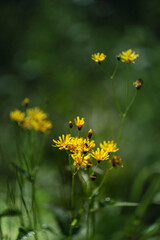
[[46, 49]]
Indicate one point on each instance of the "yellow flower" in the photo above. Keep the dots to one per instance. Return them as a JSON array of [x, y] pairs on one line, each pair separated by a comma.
[[109, 146], [26, 101], [100, 155], [63, 142], [81, 160], [87, 145], [80, 145], [116, 161], [41, 126], [27, 123], [98, 57], [36, 114], [17, 116], [128, 56], [79, 122]]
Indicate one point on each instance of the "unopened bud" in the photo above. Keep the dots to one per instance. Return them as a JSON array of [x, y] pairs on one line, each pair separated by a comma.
[[138, 83], [118, 57], [26, 102], [70, 124], [90, 133]]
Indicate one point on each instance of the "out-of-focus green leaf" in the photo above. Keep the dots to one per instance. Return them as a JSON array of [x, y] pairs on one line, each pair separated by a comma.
[[23, 172], [151, 230], [10, 213]]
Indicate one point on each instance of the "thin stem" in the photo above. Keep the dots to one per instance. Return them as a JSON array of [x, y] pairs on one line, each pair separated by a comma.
[[115, 96], [34, 208], [131, 103], [87, 223], [115, 71], [72, 196], [121, 127], [1, 233], [124, 117], [22, 198], [72, 204], [93, 225], [113, 87], [127, 83], [101, 183], [94, 170]]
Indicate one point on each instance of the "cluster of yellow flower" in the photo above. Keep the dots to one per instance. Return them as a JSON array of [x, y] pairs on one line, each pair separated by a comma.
[[32, 118], [127, 56], [81, 149]]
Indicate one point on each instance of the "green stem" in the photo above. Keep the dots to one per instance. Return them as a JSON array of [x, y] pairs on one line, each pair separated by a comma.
[[1, 233], [72, 196], [34, 208], [93, 225], [115, 97], [113, 87], [101, 184], [72, 204], [124, 115], [115, 71], [121, 127], [22, 198], [93, 170], [87, 223], [127, 83]]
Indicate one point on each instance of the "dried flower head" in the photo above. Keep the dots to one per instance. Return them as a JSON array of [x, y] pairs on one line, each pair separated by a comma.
[[127, 56], [98, 57], [115, 161], [138, 84]]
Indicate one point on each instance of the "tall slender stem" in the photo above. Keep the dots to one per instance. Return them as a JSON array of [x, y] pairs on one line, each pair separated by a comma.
[[113, 87], [124, 117], [72, 196], [34, 210], [127, 83], [72, 204], [115, 71]]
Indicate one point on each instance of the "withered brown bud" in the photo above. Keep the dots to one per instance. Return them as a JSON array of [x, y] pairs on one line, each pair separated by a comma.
[[90, 133], [93, 177], [70, 124], [138, 83]]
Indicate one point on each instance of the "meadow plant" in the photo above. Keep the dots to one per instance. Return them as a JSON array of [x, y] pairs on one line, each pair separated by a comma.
[[85, 158], [87, 161]]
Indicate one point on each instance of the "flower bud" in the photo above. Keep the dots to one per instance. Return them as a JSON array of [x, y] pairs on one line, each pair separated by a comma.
[[70, 124], [26, 102], [90, 133]]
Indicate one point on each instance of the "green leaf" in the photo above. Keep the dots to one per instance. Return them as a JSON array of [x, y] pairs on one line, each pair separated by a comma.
[[23, 172], [10, 213], [74, 222], [125, 204]]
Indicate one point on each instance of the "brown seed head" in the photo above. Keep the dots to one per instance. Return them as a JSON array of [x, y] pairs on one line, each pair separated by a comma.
[[138, 83]]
